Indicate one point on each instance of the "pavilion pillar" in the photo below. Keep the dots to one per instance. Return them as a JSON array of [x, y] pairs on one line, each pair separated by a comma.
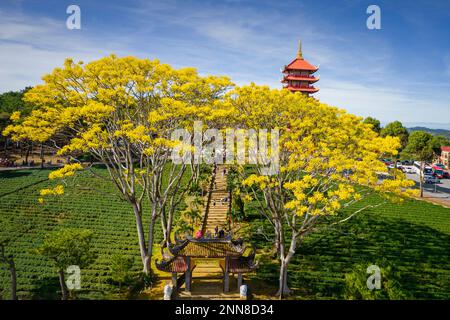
[[174, 280], [239, 281], [226, 276], [188, 274]]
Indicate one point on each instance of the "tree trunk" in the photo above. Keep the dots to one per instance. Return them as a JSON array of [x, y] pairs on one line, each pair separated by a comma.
[[62, 283], [285, 259], [230, 210], [12, 271], [169, 225], [151, 235], [276, 246], [165, 226], [283, 288], [42, 155], [277, 242], [29, 147], [6, 147], [422, 169], [140, 230], [208, 201]]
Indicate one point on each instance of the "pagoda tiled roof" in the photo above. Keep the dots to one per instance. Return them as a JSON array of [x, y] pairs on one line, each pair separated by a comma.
[[302, 89], [300, 64], [300, 78]]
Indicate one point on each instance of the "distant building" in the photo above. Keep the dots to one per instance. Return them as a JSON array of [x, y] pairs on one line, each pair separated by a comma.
[[298, 75], [445, 156]]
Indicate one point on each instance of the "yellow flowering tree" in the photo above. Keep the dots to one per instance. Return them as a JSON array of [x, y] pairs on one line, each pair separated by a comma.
[[328, 160], [122, 112]]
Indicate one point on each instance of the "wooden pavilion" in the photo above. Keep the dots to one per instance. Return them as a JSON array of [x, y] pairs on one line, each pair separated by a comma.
[[230, 252]]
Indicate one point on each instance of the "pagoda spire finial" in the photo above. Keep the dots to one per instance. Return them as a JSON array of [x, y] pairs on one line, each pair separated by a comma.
[[299, 52]]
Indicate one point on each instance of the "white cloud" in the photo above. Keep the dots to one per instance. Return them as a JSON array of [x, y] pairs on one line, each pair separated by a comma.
[[385, 103], [33, 46]]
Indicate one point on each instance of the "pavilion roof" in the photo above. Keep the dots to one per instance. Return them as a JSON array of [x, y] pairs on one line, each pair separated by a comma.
[[242, 264], [208, 248], [176, 264]]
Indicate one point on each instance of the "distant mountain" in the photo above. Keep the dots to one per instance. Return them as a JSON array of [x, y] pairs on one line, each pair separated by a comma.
[[436, 132], [430, 125]]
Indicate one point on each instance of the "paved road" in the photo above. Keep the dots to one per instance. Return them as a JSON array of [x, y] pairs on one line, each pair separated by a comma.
[[439, 191]]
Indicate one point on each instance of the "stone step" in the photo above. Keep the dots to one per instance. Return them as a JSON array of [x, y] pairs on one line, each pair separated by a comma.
[[218, 196]]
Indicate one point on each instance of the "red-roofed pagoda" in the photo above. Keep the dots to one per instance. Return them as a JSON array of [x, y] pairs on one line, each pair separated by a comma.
[[298, 75]]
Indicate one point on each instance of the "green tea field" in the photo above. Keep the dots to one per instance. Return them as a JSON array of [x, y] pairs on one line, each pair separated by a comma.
[[92, 203], [413, 237]]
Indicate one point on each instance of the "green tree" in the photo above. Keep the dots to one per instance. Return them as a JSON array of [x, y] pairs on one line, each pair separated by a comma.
[[125, 120], [424, 147], [10, 102], [191, 217], [121, 268], [396, 129], [67, 247], [234, 186], [442, 140], [375, 123]]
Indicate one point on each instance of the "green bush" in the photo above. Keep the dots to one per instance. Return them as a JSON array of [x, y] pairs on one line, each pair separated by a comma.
[[121, 269]]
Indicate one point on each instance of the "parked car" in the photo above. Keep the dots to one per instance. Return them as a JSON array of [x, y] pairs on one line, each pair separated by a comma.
[[407, 162], [6, 163], [408, 169], [446, 175], [430, 179]]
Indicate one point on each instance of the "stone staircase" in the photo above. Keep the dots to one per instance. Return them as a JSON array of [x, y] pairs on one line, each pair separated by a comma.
[[217, 215], [207, 277]]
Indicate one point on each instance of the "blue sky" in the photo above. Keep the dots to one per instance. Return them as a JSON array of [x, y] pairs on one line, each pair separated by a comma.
[[401, 72]]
